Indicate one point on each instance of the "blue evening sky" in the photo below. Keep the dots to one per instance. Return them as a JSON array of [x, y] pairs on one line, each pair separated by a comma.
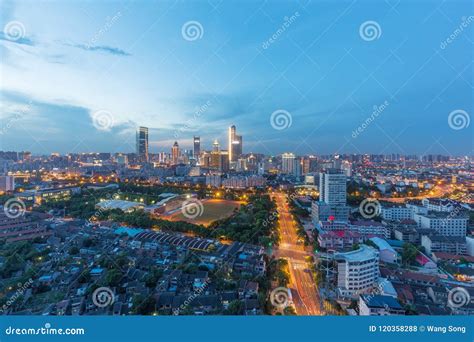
[[131, 60]]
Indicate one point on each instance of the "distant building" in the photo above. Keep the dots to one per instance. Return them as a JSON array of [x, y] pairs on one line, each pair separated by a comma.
[[339, 240], [175, 153], [438, 204], [288, 163], [121, 159], [50, 194], [446, 244], [321, 211], [470, 245], [234, 145], [142, 144], [214, 180], [371, 228], [444, 223], [396, 212], [7, 183], [197, 147], [333, 187], [21, 228], [125, 206], [242, 182]]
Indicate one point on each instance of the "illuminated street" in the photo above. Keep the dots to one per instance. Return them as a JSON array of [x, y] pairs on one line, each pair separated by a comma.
[[305, 293]]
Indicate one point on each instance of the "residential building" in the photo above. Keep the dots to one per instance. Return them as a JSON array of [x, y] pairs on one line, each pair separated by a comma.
[[444, 223], [386, 252], [357, 271], [288, 163], [438, 204], [446, 244], [332, 187], [379, 305]]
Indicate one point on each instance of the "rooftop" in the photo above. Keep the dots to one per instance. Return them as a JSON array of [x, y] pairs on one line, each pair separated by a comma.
[[362, 254], [381, 301]]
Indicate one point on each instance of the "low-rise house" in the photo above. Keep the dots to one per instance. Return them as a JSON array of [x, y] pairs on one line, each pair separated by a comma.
[[379, 305]]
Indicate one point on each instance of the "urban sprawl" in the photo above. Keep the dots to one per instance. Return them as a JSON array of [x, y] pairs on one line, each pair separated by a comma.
[[224, 232]]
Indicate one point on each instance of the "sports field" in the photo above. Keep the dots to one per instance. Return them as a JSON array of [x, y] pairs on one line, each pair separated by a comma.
[[206, 212]]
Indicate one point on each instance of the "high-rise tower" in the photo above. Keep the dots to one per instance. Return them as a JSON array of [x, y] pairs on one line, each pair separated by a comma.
[[142, 144]]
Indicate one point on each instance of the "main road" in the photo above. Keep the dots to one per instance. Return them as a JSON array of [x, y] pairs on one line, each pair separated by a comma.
[[304, 290]]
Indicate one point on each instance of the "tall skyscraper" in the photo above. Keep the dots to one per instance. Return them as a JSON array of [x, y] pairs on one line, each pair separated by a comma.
[[142, 144], [175, 153], [215, 156], [288, 163], [234, 144], [332, 187], [197, 147], [332, 197]]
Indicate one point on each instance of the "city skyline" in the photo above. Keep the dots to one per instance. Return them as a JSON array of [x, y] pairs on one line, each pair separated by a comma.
[[215, 158], [88, 89]]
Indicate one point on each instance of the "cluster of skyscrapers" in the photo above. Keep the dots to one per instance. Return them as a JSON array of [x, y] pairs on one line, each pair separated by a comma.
[[217, 158]]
